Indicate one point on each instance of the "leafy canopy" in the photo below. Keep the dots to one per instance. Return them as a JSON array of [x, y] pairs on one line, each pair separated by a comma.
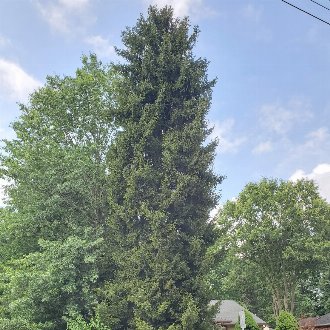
[[273, 238], [54, 229]]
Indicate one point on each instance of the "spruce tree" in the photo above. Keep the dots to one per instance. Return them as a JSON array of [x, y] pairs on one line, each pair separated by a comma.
[[163, 185]]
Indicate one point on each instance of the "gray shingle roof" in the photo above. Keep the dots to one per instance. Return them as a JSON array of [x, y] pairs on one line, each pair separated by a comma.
[[323, 320], [228, 312]]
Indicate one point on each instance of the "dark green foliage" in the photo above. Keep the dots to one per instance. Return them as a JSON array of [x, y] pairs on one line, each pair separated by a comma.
[[162, 185], [286, 321]]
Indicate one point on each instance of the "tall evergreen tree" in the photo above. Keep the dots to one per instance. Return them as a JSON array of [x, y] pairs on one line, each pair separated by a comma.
[[163, 186]]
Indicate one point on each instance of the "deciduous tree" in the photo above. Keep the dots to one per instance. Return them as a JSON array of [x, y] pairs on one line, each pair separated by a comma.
[[56, 222], [280, 230]]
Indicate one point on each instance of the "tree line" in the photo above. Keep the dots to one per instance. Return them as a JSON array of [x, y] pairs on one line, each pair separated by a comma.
[[107, 222]]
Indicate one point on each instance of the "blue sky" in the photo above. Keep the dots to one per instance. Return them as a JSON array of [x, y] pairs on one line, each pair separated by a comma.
[[271, 105]]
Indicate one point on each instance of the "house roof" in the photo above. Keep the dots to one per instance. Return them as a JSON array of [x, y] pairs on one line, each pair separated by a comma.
[[308, 322], [228, 312], [323, 320], [314, 322]]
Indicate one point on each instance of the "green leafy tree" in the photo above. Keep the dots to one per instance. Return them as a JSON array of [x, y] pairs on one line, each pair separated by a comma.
[[162, 184], [278, 231], [78, 323], [55, 225], [313, 296], [250, 323], [57, 162], [237, 326], [45, 286], [232, 278], [286, 321]]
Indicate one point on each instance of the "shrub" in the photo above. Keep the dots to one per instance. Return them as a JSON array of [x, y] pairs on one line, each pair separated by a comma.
[[251, 324], [286, 321]]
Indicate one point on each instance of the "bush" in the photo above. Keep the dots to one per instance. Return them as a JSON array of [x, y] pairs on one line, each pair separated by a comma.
[[251, 324], [286, 321], [237, 325]]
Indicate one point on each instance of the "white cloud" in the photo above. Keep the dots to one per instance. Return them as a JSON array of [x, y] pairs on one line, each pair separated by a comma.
[[281, 119], [4, 41], [65, 16], [223, 131], [316, 141], [262, 147], [15, 83], [184, 7], [316, 137], [315, 148], [320, 175], [251, 12], [101, 46], [254, 24], [297, 175], [316, 37], [215, 211], [74, 4]]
